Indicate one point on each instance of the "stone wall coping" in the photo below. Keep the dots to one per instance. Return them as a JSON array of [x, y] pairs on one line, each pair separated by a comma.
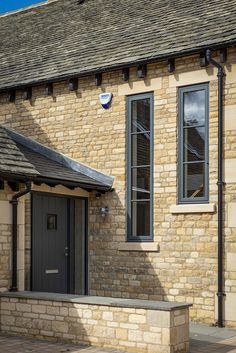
[[103, 301]]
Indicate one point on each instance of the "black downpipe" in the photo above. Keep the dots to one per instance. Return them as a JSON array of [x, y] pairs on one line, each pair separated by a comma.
[[220, 184], [14, 202]]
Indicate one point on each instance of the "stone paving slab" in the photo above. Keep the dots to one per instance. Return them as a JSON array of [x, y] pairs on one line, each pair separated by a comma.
[[204, 339], [17, 344], [211, 332]]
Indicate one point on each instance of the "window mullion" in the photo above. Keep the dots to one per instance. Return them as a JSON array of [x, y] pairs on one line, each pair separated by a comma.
[[140, 166], [194, 162]]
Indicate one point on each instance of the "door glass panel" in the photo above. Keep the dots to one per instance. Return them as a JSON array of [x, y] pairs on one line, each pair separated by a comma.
[[141, 218], [141, 115], [51, 222]]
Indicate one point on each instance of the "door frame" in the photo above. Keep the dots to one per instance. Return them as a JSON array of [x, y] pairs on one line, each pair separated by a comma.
[[70, 237]]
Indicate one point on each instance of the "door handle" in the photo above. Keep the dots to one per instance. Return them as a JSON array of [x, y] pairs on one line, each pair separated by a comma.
[[66, 251]]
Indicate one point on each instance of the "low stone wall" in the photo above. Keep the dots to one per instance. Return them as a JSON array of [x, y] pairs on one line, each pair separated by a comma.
[[131, 325]]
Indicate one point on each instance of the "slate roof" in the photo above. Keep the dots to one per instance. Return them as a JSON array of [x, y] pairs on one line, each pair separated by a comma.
[[12, 160], [22, 158], [64, 38], [54, 172]]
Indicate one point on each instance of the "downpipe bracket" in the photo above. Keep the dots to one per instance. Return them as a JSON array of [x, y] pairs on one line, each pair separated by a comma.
[[14, 202], [221, 183]]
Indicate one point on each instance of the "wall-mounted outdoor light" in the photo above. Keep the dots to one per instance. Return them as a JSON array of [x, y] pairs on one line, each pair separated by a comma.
[[104, 211]]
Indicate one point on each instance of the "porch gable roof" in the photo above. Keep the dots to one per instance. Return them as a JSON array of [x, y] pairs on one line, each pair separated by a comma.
[[12, 160], [25, 159]]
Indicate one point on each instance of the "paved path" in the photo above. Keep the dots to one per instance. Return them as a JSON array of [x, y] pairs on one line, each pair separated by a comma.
[[203, 340], [13, 344]]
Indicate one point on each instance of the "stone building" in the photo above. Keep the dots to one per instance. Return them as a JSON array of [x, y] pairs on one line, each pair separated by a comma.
[[134, 201]]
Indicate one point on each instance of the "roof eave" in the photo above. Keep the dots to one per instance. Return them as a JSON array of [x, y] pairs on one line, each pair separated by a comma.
[[11, 176], [109, 68], [71, 184]]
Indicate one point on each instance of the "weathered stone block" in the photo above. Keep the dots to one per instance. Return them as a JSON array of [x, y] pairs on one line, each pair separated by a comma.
[[61, 327], [39, 309], [137, 319]]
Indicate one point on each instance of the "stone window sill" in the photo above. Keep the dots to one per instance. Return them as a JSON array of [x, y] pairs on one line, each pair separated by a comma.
[[148, 247], [193, 208]]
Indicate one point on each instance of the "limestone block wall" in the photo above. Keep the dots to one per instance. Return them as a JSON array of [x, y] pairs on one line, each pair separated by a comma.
[[181, 263], [6, 240], [119, 327]]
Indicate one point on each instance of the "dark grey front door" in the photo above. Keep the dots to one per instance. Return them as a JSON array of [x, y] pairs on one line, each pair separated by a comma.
[[50, 253]]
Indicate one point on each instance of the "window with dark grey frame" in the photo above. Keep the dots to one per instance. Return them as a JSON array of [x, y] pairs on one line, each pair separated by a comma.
[[140, 168], [193, 144]]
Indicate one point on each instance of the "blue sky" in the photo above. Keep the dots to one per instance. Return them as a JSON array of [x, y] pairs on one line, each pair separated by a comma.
[[11, 5]]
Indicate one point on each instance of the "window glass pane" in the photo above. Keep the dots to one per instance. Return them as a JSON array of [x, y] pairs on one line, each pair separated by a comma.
[[141, 218], [194, 108], [141, 115], [140, 183], [194, 144], [194, 176], [139, 167], [140, 149]]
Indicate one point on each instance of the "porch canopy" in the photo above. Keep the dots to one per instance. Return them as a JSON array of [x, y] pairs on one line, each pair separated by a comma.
[[23, 159]]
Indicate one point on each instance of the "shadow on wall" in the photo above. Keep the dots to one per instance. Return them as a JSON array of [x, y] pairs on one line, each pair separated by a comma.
[[36, 121], [168, 275], [112, 272], [115, 273], [30, 120]]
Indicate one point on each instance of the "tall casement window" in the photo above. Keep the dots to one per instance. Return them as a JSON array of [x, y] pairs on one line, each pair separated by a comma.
[[193, 144], [140, 168]]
